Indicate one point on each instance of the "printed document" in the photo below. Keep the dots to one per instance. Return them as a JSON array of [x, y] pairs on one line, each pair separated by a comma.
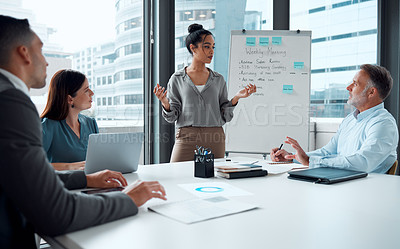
[[210, 189], [196, 210]]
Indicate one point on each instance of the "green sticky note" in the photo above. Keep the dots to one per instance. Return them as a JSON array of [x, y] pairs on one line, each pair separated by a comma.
[[250, 41], [276, 40], [287, 89], [299, 65], [263, 41]]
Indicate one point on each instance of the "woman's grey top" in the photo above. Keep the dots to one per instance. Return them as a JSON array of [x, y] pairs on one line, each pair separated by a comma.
[[189, 107]]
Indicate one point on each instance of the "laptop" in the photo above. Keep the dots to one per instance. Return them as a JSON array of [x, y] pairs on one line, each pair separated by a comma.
[[326, 175], [113, 151]]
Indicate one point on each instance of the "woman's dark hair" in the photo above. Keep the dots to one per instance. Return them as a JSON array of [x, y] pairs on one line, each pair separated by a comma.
[[64, 82], [196, 32]]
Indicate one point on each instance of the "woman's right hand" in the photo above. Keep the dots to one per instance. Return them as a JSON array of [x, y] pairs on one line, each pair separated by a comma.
[[161, 94]]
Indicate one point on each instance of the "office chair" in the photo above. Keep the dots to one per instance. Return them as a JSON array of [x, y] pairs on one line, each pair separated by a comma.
[[392, 170]]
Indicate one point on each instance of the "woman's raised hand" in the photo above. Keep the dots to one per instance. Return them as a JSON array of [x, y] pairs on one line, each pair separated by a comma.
[[161, 94], [244, 93], [247, 91]]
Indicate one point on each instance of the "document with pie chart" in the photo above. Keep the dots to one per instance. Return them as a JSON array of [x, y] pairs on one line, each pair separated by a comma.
[[200, 209], [210, 189]]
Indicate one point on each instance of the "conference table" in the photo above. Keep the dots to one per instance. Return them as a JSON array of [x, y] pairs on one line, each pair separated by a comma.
[[362, 213]]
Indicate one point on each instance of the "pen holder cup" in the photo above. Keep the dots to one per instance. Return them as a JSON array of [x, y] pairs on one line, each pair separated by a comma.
[[204, 165]]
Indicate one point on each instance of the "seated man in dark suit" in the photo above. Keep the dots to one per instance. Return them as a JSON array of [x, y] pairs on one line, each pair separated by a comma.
[[366, 139], [33, 197]]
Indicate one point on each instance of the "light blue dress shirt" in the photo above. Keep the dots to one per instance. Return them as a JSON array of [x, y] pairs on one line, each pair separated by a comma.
[[365, 141], [61, 143]]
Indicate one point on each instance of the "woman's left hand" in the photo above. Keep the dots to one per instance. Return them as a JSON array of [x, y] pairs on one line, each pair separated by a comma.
[[247, 91]]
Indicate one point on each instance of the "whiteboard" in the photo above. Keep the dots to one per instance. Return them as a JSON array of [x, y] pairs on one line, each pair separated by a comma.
[[278, 63]]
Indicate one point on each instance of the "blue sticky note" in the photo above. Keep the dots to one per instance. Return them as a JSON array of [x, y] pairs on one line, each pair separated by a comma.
[[287, 89], [263, 41], [299, 65], [276, 40], [250, 41]]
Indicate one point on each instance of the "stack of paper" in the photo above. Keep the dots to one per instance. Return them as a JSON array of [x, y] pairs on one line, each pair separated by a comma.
[[281, 167], [240, 170]]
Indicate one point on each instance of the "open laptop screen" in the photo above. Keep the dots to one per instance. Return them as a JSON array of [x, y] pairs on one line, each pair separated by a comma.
[[114, 151]]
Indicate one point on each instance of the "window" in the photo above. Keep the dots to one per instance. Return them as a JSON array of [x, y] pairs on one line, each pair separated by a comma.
[[109, 100], [129, 24], [344, 36], [194, 14], [117, 77], [217, 17], [133, 48], [133, 74], [133, 99], [116, 100]]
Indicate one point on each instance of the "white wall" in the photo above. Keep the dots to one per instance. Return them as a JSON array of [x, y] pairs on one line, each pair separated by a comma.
[[325, 129], [321, 131]]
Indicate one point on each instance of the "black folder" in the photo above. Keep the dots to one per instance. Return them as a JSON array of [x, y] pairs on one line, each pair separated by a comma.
[[326, 175], [243, 174]]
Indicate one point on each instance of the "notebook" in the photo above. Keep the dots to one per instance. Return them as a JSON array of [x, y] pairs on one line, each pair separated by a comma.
[[244, 174], [113, 151], [326, 175], [238, 168]]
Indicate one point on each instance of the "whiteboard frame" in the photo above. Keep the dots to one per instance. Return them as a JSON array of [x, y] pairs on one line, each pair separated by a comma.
[[244, 32]]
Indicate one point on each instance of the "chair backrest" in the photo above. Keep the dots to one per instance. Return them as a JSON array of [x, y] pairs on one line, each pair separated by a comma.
[[392, 170]]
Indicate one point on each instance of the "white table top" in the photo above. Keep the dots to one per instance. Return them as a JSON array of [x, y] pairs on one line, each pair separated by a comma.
[[363, 213]]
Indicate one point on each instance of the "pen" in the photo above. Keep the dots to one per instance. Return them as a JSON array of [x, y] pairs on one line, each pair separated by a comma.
[[280, 147]]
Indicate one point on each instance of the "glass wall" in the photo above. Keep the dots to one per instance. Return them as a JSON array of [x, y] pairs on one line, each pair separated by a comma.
[[100, 38], [344, 36], [220, 17], [105, 45]]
